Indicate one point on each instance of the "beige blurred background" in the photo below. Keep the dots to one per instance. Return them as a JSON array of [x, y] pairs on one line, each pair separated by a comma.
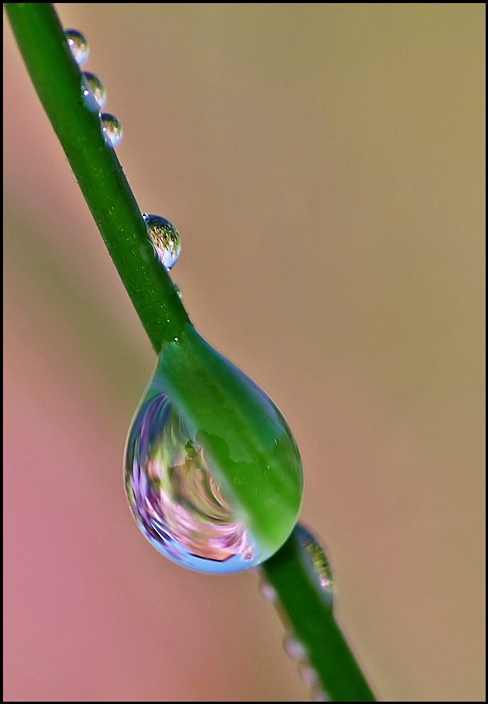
[[324, 164]]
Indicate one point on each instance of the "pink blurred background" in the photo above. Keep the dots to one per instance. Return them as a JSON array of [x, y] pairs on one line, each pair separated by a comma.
[[324, 164]]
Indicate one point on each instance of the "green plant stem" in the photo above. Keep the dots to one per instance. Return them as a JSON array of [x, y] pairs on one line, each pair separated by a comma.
[[57, 80], [309, 616]]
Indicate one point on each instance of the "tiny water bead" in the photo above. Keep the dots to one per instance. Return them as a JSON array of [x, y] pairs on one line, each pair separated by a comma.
[[212, 473], [111, 129], [267, 591], [294, 648], [297, 651], [94, 92], [78, 45], [308, 674], [165, 239], [319, 695], [315, 560]]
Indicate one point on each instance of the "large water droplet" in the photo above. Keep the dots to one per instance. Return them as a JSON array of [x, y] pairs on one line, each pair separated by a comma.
[[111, 129], [315, 560], [78, 45], [94, 92], [165, 239], [174, 496], [213, 474]]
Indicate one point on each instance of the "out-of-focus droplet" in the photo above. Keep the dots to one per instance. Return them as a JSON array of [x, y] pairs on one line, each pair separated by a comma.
[[268, 592], [111, 129], [315, 560], [308, 674], [94, 92], [165, 239], [212, 473], [78, 45], [319, 695], [294, 648]]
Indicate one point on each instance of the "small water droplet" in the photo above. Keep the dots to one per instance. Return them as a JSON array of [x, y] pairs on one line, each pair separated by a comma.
[[111, 129], [94, 92], [308, 674], [319, 695], [195, 420], [165, 239], [78, 45], [294, 648], [315, 559], [268, 592]]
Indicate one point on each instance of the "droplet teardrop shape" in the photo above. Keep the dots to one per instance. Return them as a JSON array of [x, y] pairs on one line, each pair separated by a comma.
[[213, 474], [78, 45], [94, 92], [165, 239], [111, 129]]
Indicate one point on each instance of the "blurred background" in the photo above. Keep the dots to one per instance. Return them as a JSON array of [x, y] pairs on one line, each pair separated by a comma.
[[324, 164]]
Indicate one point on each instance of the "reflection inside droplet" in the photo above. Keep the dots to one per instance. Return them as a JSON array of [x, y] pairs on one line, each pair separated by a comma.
[[111, 129], [165, 239], [78, 45], [94, 92], [212, 472], [175, 499], [315, 559]]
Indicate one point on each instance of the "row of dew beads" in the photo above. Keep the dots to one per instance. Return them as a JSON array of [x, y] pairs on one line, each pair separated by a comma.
[[163, 235], [93, 90]]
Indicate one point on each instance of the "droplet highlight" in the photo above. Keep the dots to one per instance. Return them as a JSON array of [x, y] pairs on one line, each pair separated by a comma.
[[165, 239], [111, 129], [206, 449], [78, 45], [94, 92], [315, 560]]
